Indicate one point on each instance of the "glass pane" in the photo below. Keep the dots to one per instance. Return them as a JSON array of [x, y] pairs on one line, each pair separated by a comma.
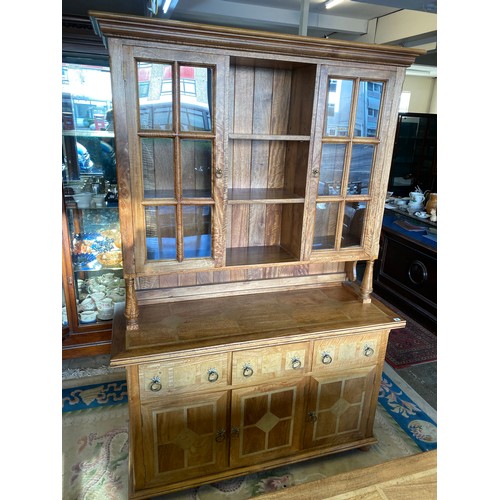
[[368, 108], [354, 221], [90, 194], [64, 309], [161, 234], [361, 169], [325, 225], [154, 82], [158, 167], [196, 98], [338, 107], [196, 168], [197, 231], [332, 168]]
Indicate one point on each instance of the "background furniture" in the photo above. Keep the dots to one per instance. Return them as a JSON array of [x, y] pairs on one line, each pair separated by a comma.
[[414, 161], [406, 272]]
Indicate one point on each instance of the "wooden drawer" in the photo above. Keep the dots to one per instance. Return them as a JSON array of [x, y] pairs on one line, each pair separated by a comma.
[[346, 351], [200, 373], [265, 364]]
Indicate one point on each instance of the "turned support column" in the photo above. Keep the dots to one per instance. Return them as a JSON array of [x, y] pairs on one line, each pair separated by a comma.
[[350, 270], [131, 306], [367, 283]]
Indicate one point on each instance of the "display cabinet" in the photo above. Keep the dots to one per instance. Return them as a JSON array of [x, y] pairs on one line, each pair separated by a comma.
[[92, 257], [252, 171], [414, 161]]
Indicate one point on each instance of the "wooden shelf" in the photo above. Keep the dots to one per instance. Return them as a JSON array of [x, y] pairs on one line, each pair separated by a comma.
[[269, 137], [236, 196], [247, 256]]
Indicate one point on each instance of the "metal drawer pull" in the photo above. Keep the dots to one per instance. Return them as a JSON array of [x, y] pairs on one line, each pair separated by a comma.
[[296, 363], [326, 359], [368, 351], [213, 376], [155, 384], [312, 417], [221, 435], [417, 272], [247, 371], [218, 173]]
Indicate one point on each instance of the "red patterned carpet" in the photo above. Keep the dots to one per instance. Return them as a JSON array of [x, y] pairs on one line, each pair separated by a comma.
[[411, 345]]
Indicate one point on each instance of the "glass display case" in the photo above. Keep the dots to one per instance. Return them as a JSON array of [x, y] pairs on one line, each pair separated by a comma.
[[92, 258]]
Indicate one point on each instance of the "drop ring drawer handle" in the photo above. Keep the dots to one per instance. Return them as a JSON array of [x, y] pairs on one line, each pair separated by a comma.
[[247, 371], [155, 384], [296, 363], [326, 359], [213, 376], [417, 272], [368, 351]]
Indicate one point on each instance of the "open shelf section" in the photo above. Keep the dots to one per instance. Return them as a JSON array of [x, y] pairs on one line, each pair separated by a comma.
[[269, 137], [262, 195], [247, 256]]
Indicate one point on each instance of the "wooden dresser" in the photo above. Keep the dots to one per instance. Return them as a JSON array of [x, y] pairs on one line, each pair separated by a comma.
[[252, 172]]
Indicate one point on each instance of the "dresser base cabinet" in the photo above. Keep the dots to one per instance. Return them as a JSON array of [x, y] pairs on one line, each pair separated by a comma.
[[300, 382], [406, 275]]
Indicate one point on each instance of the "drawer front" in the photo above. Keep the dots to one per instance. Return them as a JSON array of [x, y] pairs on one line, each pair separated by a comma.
[[348, 351], [265, 364], [203, 372]]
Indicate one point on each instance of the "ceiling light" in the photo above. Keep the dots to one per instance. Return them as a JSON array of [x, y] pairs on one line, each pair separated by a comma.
[[332, 3]]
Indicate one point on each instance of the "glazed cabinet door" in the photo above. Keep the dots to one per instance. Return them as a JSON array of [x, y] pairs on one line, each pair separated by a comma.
[[338, 407], [184, 437], [266, 422], [351, 161], [171, 108]]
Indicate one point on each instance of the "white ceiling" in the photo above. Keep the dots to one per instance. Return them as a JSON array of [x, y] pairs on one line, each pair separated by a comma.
[[411, 23]]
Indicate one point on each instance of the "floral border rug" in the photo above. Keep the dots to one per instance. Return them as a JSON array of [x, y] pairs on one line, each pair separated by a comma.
[[95, 447]]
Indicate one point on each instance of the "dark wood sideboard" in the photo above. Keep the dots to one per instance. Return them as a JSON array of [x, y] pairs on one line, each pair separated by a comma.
[[406, 272]]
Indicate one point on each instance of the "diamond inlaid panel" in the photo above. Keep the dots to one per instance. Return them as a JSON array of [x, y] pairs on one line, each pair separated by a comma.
[[183, 438], [273, 430], [267, 422], [339, 405]]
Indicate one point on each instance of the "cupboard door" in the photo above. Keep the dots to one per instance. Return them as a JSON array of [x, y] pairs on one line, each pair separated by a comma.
[[338, 408], [350, 161], [184, 438], [174, 112], [266, 422]]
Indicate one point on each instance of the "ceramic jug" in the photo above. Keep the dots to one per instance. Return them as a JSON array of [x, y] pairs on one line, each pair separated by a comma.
[[431, 203]]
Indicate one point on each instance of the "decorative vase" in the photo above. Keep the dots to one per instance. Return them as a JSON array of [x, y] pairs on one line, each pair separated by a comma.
[[432, 202]]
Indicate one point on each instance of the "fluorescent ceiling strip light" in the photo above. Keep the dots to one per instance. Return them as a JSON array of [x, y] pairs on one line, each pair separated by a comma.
[[332, 3]]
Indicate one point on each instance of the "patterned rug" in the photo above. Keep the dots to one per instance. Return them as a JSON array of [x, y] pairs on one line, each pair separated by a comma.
[[95, 446], [412, 345]]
